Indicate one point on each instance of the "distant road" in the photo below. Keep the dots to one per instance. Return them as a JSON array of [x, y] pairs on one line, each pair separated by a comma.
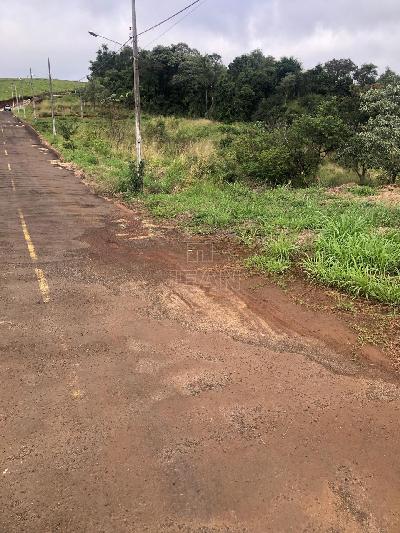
[[135, 399]]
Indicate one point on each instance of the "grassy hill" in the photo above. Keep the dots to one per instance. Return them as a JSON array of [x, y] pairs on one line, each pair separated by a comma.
[[40, 86]]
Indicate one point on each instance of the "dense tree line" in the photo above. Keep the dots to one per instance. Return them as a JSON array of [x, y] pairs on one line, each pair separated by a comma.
[[302, 115], [178, 79]]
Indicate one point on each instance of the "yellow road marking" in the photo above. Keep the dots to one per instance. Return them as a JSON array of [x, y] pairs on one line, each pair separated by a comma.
[[40, 275], [31, 248], [9, 166], [43, 285]]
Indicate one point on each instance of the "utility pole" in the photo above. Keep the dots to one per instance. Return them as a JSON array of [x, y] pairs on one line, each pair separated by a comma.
[[81, 102], [136, 90], [52, 98], [22, 95], [21, 98], [16, 96], [33, 96], [12, 96]]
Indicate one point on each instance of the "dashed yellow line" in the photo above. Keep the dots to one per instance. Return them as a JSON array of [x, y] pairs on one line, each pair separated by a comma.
[[43, 285], [31, 248], [40, 275]]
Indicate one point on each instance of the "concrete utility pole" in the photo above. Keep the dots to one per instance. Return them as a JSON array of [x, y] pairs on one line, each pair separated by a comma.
[[21, 98], [16, 96], [52, 98], [81, 102], [12, 96], [22, 95], [33, 96], [136, 89]]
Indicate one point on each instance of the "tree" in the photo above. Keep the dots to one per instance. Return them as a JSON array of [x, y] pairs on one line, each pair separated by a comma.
[[287, 86], [314, 81], [388, 77], [250, 79], [340, 75], [380, 136], [113, 70], [354, 155], [95, 92], [325, 131], [366, 75], [196, 79], [285, 66]]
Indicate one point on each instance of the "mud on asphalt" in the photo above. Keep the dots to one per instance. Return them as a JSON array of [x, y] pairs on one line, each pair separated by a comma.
[[161, 389]]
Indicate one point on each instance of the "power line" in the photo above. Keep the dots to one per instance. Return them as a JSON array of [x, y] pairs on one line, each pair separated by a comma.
[[200, 3], [125, 43], [169, 18], [197, 4], [166, 20]]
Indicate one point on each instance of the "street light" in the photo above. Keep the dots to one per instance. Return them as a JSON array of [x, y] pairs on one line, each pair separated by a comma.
[[93, 34]]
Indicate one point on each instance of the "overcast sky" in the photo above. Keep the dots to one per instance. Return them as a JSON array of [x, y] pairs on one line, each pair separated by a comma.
[[311, 30]]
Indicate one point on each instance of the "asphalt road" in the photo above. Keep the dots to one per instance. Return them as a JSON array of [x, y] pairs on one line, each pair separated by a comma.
[[136, 396]]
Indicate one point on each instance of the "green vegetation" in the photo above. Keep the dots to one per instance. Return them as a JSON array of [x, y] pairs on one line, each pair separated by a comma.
[[346, 239], [40, 86], [297, 118], [283, 127]]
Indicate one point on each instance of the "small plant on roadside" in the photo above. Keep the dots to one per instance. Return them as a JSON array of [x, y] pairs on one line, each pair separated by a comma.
[[67, 129], [276, 257], [363, 190], [135, 183]]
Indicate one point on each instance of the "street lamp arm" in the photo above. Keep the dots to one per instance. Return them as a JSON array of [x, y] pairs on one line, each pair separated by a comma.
[[93, 34]]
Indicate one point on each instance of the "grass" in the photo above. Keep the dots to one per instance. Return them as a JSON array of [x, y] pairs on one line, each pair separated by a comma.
[[341, 240], [353, 254], [40, 86], [332, 175]]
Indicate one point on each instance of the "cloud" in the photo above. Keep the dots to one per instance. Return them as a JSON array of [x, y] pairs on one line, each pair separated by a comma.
[[313, 30]]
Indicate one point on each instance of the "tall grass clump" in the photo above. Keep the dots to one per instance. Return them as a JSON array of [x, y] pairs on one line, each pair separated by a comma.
[[353, 253]]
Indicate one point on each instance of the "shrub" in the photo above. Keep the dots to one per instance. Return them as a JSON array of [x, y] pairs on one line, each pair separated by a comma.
[[275, 157], [67, 128]]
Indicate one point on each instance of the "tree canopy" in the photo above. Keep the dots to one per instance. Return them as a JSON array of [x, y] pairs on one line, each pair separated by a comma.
[[177, 79], [336, 108]]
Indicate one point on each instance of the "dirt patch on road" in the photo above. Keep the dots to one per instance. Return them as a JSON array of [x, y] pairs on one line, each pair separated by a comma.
[[217, 294]]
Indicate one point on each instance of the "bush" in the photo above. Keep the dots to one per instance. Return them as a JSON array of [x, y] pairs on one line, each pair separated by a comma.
[[67, 128], [275, 157]]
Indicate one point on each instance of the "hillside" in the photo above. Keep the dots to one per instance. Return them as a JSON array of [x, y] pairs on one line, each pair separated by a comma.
[[40, 86]]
